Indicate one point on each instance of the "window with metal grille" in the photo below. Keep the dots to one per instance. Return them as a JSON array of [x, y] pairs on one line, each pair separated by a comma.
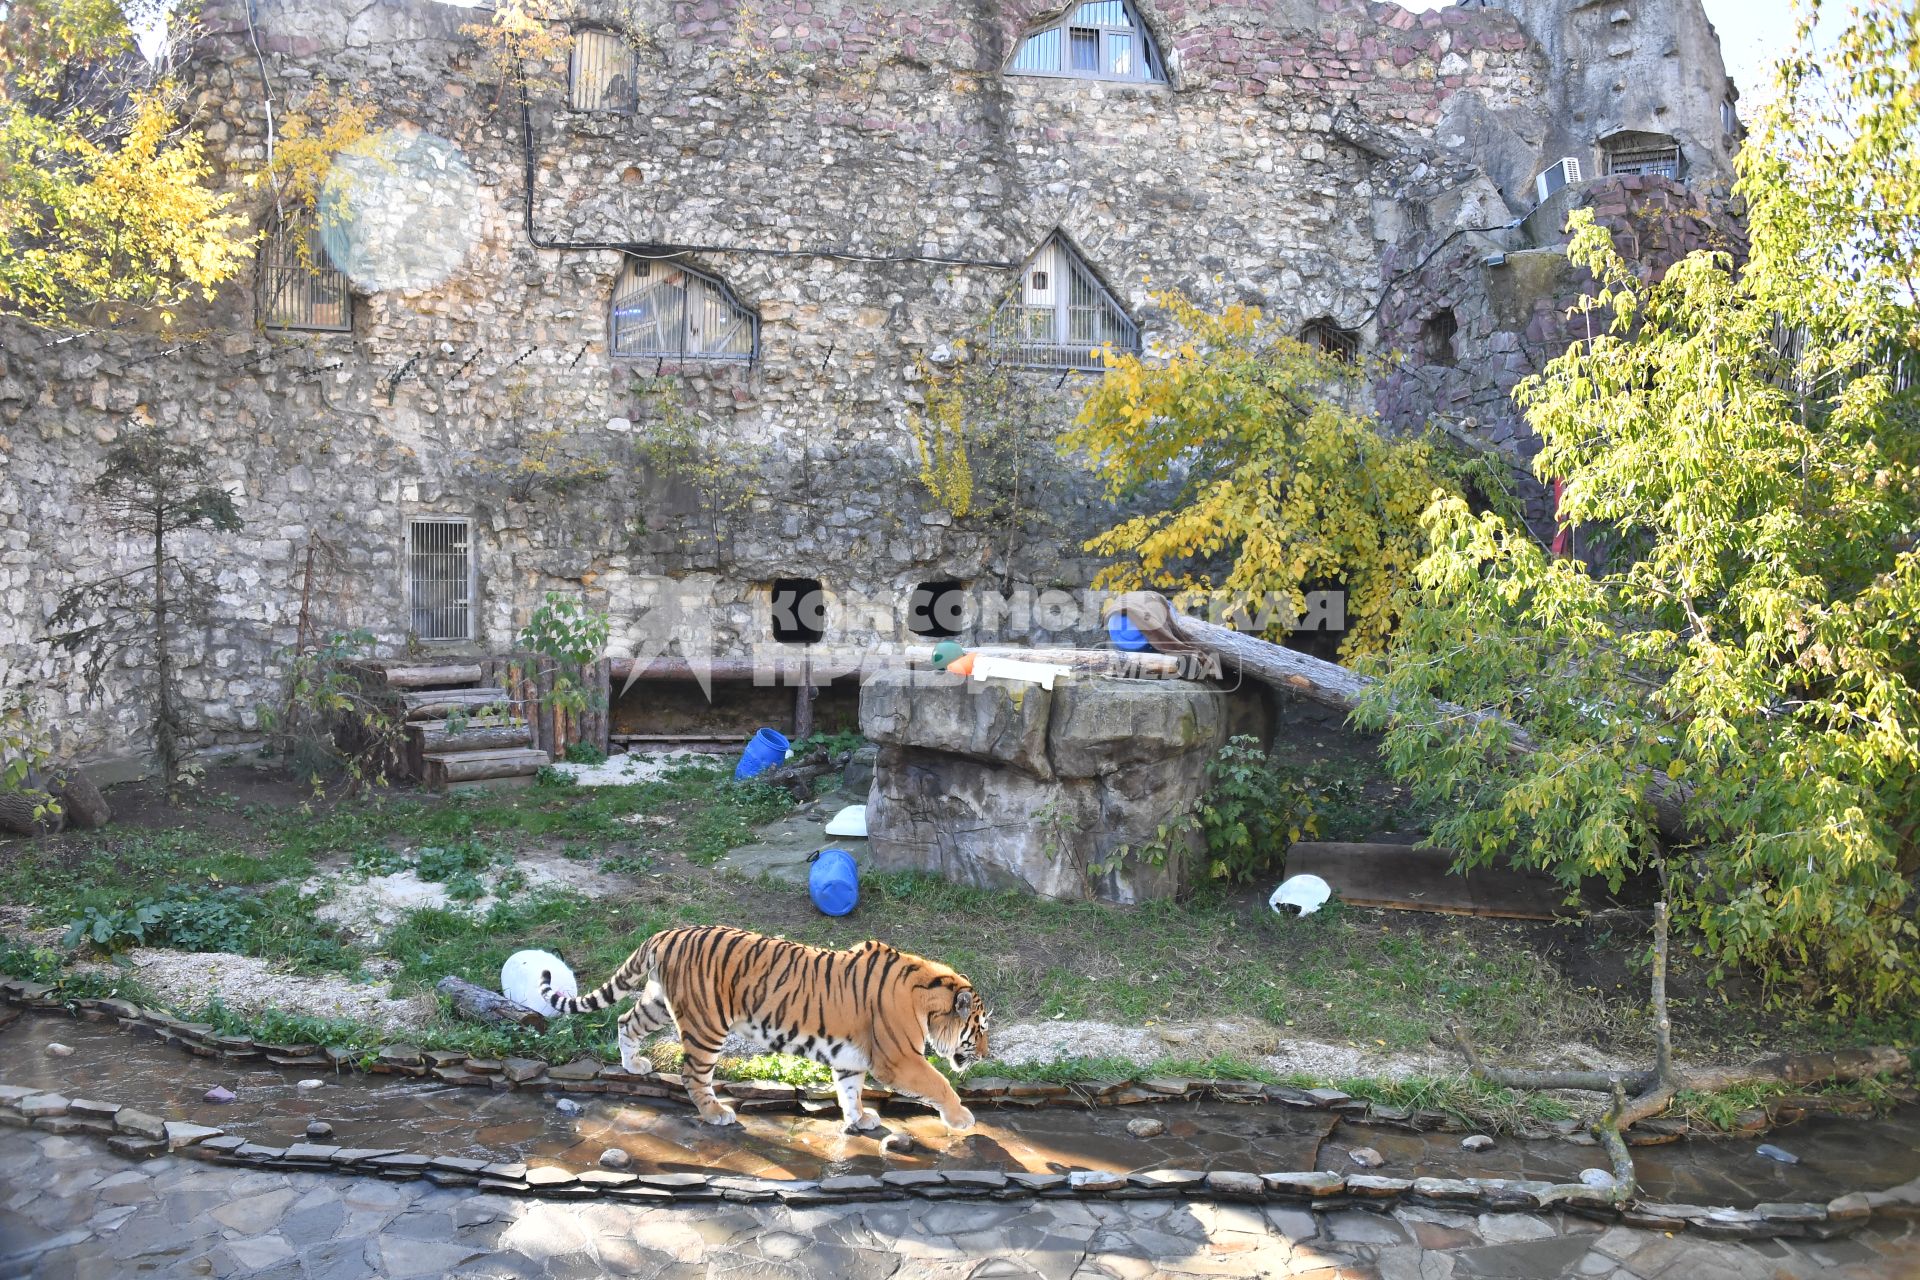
[[667, 309], [300, 288], [1061, 316], [1661, 162], [1095, 40], [603, 74], [1437, 336], [440, 578], [1324, 335]]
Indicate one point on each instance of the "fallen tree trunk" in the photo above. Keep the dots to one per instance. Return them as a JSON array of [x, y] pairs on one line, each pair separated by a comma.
[[1332, 685], [477, 1004]]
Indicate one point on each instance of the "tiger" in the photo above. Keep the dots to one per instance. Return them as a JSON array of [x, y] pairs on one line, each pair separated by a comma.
[[869, 1008]]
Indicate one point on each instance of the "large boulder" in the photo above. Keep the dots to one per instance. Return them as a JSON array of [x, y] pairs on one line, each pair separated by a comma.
[[1003, 785]]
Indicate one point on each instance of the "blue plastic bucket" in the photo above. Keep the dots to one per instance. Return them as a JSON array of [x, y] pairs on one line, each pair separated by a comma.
[[833, 882], [768, 748], [1122, 634]]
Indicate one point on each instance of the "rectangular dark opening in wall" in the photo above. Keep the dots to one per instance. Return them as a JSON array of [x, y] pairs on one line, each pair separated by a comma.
[[799, 611], [937, 609], [1437, 335]]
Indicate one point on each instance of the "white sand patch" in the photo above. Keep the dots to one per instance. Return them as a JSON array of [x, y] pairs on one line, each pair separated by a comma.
[[367, 907], [628, 768], [247, 984]]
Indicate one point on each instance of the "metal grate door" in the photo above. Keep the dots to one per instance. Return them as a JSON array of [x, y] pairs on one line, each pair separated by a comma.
[[440, 578], [299, 287]]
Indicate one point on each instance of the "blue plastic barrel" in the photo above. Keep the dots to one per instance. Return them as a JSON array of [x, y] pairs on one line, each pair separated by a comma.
[[768, 748], [833, 882], [1122, 634]]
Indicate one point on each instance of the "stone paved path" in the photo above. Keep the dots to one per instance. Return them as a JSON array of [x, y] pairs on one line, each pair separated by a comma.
[[69, 1208]]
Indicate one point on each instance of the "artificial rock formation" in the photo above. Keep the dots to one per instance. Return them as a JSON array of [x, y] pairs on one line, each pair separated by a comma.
[[1007, 785]]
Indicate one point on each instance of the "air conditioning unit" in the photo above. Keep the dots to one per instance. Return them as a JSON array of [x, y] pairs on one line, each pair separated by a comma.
[[1558, 175]]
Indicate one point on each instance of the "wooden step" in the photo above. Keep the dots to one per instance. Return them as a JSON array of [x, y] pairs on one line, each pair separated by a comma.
[[480, 733], [441, 675], [438, 704], [444, 768]]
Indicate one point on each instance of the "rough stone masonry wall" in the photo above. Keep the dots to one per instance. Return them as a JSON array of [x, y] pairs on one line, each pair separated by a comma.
[[1299, 144]]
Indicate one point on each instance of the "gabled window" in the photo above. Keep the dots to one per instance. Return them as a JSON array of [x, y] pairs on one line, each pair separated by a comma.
[[603, 73], [666, 309], [440, 577], [300, 288], [1094, 40], [1060, 316], [1324, 335]]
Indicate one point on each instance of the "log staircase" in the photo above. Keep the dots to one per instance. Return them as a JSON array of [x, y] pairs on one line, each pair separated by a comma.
[[461, 733]]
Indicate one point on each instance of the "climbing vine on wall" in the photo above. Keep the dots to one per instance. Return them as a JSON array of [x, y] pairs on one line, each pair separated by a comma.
[[977, 442]]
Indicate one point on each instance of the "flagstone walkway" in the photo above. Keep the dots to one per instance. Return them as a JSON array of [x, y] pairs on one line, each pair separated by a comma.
[[70, 1208]]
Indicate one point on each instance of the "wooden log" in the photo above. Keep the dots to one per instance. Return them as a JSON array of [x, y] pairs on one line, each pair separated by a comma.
[[1332, 685], [473, 766], [81, 803], [438, 704], [16, 811], [797, 776], [477, 1004], [482, 733], [426, 677]]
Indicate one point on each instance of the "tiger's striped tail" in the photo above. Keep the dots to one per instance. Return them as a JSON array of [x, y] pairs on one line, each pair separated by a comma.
[[633, 974]]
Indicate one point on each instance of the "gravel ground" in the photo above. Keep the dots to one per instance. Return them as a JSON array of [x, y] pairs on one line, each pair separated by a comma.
[[190, 979]]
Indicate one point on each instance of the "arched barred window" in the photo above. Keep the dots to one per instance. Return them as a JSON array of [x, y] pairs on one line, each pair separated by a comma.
[[1094, 40], [667, 309]]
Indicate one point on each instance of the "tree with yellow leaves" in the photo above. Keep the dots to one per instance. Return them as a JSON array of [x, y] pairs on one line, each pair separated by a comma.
[[107, 207], [1268, 480]]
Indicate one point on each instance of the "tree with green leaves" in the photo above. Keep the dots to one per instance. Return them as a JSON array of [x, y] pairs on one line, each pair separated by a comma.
[[1749, 435], [1264, 476], [150, 493], [108, 210]]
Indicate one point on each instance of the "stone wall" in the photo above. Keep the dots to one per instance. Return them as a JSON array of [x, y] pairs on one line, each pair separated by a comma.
[[861, 174]]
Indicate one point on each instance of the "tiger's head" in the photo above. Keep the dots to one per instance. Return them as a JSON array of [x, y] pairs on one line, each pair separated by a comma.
[[959, 1033]]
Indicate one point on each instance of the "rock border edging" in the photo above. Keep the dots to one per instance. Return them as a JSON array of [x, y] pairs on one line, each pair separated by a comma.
[[139, 1135]]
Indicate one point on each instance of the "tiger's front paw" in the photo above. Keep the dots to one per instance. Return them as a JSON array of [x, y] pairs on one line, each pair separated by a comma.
[[960, 1119], [719, 1117], [869, 1119], [636, 1064]]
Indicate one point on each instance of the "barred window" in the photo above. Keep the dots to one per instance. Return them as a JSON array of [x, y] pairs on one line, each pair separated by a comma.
[[1324, 335], [603, 74], [1642, 155], [1061, 316], [440, 577], [667, 309], [1096, 40], [300, 288]]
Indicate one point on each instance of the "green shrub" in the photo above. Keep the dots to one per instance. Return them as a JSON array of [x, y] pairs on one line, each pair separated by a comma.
[[114, 928], [584, 753]]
